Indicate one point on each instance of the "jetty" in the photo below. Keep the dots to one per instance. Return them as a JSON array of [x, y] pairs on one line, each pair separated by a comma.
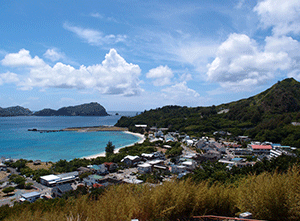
[[83, 129]]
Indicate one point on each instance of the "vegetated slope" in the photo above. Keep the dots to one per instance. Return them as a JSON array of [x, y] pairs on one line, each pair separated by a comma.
[[268, 196], [15, 111], [265, 117], [91, 109]]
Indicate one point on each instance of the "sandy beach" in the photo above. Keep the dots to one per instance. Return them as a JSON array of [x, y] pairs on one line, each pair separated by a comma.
[[142, 139]]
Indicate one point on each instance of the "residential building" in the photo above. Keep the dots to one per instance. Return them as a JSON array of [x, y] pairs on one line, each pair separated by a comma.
[[131, 160], [190, 164], [59, 190], [110, 166], [30, 197], [177, 169], [261, 149], [144, 168]]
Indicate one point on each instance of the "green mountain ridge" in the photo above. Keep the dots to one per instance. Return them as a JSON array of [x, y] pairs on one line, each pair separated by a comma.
[[266, 116]]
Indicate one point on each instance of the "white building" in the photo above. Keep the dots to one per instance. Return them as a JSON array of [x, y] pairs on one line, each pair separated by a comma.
[[51, 180], [30, 197], [144, 168], [190, 164]]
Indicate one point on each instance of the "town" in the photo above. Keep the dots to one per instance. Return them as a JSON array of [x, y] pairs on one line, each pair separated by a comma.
[[162, 157]]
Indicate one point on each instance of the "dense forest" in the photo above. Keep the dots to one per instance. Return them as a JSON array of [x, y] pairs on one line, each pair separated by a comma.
[[267, 116]]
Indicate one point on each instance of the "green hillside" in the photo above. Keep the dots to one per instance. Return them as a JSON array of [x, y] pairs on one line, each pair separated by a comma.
[[265, 117]]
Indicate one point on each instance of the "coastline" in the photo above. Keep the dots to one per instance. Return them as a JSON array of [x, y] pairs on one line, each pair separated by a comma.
[[102, 154]]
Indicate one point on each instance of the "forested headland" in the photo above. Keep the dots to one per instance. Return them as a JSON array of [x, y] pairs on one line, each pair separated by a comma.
[[267, 116]]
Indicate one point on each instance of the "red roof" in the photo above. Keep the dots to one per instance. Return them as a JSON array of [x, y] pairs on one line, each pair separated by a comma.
[[108, 163], [261, 147], [97, 185]]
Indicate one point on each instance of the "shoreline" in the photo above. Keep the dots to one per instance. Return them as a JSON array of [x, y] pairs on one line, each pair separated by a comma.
[[102, 154]]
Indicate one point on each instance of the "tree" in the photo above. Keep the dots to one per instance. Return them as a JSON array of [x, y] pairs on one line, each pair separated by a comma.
[[8, 189], [109, 149]]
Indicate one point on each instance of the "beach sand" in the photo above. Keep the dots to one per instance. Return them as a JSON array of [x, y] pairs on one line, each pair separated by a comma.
[[142, 139]]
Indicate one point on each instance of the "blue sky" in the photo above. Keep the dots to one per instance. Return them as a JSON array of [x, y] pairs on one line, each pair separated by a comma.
[[140, 55]]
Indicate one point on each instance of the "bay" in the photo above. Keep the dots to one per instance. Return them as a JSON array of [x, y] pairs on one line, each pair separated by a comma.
[[17, 142]]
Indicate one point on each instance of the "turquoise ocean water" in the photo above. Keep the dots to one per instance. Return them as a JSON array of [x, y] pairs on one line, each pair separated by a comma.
[[17, 142]]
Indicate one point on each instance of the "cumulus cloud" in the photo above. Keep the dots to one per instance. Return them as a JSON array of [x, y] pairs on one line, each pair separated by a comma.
[[22, 58], [54, 55], [161, 75], [8, 77], [94, 37], [113, 76], [283, 16], [240, 63], [186, 77], [181, 94]]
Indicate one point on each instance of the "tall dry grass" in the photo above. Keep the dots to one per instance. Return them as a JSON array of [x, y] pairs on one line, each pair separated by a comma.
[[268, 196]]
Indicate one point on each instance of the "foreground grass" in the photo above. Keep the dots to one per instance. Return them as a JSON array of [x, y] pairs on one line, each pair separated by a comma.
[[268, 196]]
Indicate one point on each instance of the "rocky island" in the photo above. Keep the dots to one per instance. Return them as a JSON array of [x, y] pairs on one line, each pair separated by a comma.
[[14, 111], [90, 109]]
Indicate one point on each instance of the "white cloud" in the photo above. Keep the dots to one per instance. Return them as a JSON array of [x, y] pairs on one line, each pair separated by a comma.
[[94, 37], [162, 75], [113, 76], [180, 94], [22, 58], [282, 15], [8, 77], [54, 55], [283, 44], [241, 63], [186, 77], [96, 15]]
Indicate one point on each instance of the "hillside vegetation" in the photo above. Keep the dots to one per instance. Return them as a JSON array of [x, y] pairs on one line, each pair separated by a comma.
[[264, 117], [269, 196]]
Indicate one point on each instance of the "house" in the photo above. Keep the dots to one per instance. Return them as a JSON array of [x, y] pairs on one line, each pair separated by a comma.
[[275, 153], [144, 168], [92, 179], [110, 166], [37, 162], [177, 169], [59, 190], [210, 155], [169, 138], [190, 164], [3, 167], [131, 160], [156, 162], [261, 149], [97, 185], [147, 156], [241, 151], [133, 181], [99, 169], [189, 142], [82, 170], [30, 197]]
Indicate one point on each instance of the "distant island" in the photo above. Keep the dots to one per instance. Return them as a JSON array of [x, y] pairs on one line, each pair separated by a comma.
[[90, 109], [15, 111]]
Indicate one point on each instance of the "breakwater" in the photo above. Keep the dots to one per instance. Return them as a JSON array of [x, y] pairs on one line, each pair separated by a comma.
[[83, 129]]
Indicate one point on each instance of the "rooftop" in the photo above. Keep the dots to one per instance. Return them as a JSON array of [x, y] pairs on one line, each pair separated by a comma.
[[261, 147], [31, 194]]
